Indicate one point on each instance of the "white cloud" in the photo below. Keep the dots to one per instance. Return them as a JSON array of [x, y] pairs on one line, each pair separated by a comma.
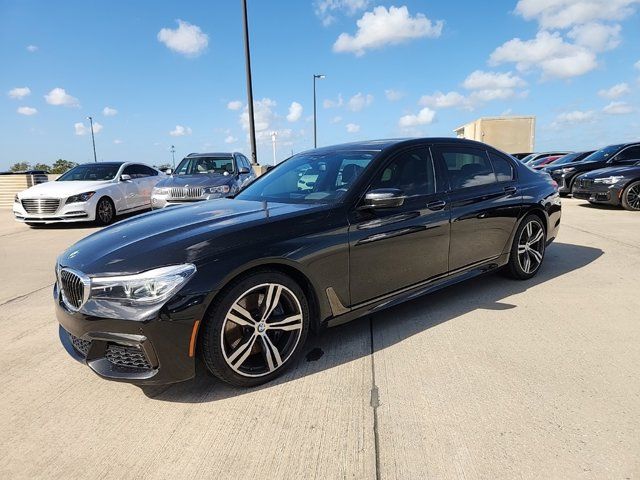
[[262, 113], [27, 111], [352, 127], [19, 92], [32, 48], [596, 36], [59, 96], [442, 100], [180, 131], [230, 139], [82, 129], [295, 112], [187, 39], [618, 108], [549, 52], [234, 105], [393, 95], [616, 91], [333, 103], [359, 101], [336, 119], [576, 116], [565, 13], [480, 80], [424, 117], [325, 9], [117, 141], [381, 27], [109, 112]]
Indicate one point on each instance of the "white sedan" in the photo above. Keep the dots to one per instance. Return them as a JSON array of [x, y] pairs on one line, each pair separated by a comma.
[[90, 192]]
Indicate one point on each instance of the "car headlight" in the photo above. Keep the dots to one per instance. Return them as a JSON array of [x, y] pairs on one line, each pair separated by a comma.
[[218, 189], [83, 197], [160, 191], [16, 199], [609, 180], [148, 288], [568, 170]]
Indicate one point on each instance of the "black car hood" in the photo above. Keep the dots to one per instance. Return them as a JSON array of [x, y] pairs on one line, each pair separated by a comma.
[[627, 170], [172, 235], [198, 180]]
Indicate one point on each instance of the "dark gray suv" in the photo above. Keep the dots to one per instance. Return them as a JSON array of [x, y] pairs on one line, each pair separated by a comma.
[[203, 176]]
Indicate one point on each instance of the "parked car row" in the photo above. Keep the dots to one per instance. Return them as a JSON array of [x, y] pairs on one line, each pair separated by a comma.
[[610, 175], [99, 192]]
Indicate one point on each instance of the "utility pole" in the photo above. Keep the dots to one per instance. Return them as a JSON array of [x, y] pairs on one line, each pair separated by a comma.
[[247, 57], [93, 140], [315, 128]]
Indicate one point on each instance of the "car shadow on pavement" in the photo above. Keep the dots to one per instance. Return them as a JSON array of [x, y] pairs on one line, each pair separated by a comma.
[[83, 225], [339, 345], [600, 206]]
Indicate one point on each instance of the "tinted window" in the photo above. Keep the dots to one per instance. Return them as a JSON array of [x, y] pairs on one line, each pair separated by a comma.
[[197, 165], [91, 172], [244, 162], [411, 171], [129, 170], [467, 167], [502, 167], [631, 153], [141, 171], [150, 172]]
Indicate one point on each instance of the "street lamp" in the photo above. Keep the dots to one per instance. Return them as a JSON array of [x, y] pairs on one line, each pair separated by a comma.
[[315, 128], [273, 142], [247, 57], [93, 140], [173, 156]]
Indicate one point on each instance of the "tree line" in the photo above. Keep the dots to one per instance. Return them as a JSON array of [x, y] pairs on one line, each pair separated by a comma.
[[58, 167]]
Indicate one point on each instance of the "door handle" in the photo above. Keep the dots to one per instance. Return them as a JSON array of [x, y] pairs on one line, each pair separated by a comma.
[[438, 205], [510, 190]]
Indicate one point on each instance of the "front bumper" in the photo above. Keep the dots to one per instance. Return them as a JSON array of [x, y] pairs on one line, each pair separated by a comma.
[[73, 212], [153, 352], [597, 192]]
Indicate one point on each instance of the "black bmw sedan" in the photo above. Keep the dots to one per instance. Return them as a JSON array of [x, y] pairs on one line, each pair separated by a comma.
[[241, 282], [619, 186]]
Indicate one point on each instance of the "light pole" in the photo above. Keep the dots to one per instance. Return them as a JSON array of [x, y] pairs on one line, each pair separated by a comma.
[[173, 156], [93, 140], [315, 127], [247, 57], [273, 142]]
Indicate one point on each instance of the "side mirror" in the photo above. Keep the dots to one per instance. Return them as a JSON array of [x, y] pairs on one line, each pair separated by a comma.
[[243, 171], [125, 178], [168, 171], [384, 198]]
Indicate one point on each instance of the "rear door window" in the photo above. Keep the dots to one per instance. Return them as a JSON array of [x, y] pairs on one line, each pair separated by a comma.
[[466, 167], [502, 168]]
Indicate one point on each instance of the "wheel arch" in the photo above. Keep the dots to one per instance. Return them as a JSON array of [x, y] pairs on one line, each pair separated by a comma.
[[109, 197]]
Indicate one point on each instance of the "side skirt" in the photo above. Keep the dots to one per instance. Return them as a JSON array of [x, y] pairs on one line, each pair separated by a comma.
[[344, 314]]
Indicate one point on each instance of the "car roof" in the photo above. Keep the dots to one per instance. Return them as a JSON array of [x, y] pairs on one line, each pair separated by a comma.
[[213, 154], [107, 164], [383, 144]]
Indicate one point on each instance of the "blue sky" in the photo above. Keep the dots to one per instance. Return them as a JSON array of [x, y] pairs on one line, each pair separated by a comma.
[[173, 73]]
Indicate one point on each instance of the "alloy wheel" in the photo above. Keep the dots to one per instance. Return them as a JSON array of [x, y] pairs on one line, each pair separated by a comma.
[[633, 196], [531, 246], [105, 211], [261, 330]]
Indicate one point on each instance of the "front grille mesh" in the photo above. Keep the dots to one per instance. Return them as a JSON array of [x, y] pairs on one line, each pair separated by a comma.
[[82, 346], [131, 357], [72, 288], [41, 205], [186, 192]]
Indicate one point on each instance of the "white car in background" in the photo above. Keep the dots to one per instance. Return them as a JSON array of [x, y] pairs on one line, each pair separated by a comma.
[[90, 192]]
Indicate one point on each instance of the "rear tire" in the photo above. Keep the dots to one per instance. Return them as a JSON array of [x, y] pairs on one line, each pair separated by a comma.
[[528, 249], [255, 329], [631, 197]]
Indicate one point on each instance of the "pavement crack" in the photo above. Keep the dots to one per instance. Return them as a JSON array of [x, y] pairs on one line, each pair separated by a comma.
[[374, 402], [20, 297]]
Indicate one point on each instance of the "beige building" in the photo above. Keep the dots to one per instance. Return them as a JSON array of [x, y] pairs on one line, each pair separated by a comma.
[[509, 134]]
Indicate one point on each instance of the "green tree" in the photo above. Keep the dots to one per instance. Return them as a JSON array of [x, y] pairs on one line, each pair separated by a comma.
[[20, 167], [61, 166], [42, 166]]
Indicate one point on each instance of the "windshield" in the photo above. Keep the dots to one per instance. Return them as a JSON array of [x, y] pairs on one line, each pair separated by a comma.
[[310, 178], [603, 154], [528, 157], [196, 165], [569, 158], [90, 173]]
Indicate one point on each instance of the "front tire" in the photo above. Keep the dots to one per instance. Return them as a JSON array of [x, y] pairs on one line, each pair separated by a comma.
[[255, 329], [631, 197], [528, 249], [105, 212]]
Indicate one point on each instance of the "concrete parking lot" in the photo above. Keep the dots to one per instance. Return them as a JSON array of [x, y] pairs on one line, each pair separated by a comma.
[[489, 379]]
